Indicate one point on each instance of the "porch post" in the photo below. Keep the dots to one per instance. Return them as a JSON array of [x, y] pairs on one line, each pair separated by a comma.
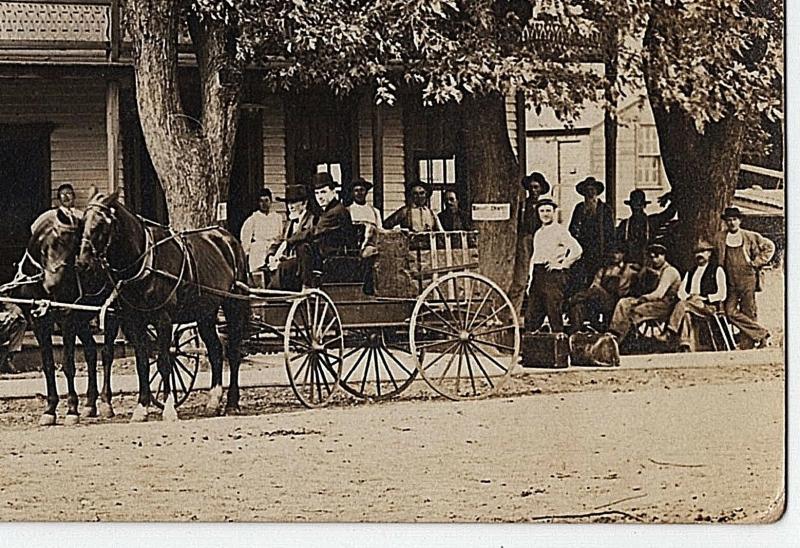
[[610, 122], [112, 134], [522, 135], [377, 156]]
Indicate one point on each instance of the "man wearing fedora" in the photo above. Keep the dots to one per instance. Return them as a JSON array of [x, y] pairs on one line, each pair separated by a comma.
[[742, 254], [653, 305], [281, 257], [592, 224], [640, 229], [331, 231], [416, 216], [528, 222], [554, 252], [701, 294]]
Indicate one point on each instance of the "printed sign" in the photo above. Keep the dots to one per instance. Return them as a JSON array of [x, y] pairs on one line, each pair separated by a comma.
[[491, 212], [222, 211]]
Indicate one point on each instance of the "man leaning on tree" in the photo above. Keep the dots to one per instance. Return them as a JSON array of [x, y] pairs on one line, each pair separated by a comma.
[[742, 254]]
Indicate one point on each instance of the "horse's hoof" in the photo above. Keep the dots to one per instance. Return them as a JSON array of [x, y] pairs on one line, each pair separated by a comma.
[[169, 413], [89, 412], [106, 411], [47, 419], [71, 420], [139, 414], [233, 410], [214, 404]]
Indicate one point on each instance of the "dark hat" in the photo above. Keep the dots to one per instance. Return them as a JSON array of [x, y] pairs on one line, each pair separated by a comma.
[[361, 181], [731, 213], [657, 248], [637, 197], [535, 177], [265, 193], [581, 187], [703, 245], [546, 202], [615, 247], [322, 180], [295, 193], [424, 185]]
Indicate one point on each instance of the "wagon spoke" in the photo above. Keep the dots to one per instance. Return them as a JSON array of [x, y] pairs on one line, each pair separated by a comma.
[[176, 374], [333, 340], [323, 378], [469, 369], [313, 382], [480, 365], [364, 350], [449, 362], [493, 315], [399, 363], [480, 307], [327, 327], [366, 370], [494, 344], [302, 367], [447, 306], [183, 366], [325, 315], [442, 355], [494, 330], [482, 351], [448, 324], [388, 371], [440, 331]]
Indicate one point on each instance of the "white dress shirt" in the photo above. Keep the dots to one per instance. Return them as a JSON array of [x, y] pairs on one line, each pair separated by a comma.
[[366, 214], [555, 247], [259, 232], [721, 294]]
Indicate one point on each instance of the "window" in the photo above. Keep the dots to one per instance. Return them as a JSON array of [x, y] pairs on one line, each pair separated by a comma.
[[648, 158], [440, 173], [334, 169]]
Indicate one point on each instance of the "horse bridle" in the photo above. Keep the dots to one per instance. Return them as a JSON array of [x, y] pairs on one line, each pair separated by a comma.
[[109, 218]]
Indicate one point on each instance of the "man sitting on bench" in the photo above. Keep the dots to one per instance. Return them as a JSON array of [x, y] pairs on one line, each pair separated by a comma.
[[281, 257], [331, 232], [702, 291]]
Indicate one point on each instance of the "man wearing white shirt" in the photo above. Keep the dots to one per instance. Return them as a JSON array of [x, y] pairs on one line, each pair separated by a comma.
[[703, 289], [260, 231], [554, 251]]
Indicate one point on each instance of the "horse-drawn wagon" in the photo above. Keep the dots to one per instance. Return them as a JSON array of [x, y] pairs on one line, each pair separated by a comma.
[[428, 315]]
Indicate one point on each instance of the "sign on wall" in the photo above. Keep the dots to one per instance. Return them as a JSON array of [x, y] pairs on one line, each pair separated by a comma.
[[222, 211], [491, 212]]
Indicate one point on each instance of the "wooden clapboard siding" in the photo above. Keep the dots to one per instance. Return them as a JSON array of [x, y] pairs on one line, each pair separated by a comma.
[[511, 120], [274, 135], [365, 138], [393, 160], [76, 110]]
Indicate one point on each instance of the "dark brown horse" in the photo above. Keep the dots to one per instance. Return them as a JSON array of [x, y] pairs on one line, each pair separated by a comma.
[[163, 278], [47, 273]]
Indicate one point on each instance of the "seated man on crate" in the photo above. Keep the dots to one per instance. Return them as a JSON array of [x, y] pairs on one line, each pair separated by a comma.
[[416, 216], [653, 305], [611, 283], [702, 292], [281, 257], [330, 233]]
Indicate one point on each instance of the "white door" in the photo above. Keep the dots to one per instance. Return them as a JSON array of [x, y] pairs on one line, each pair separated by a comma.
[[573, 166]]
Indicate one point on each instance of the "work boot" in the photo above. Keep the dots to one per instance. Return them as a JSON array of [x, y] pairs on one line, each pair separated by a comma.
[[7, 364]]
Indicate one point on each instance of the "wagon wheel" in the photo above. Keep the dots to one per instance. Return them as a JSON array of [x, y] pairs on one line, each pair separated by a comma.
[[313, 346], [469, 332], [376, 368], [185, 359]]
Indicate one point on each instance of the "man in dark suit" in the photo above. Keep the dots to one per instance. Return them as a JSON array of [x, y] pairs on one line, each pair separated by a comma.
[[331, 232], [281, 257], [592, 224]]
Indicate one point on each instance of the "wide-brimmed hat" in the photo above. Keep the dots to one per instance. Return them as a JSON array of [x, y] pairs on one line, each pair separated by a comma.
[[731, 213], [535, 177], [294, 193], [361, 181], [637, 197], [546, 202], [657, 248], [423, 184], [588, 182], [703, 245], [615, 247], [322, 180]]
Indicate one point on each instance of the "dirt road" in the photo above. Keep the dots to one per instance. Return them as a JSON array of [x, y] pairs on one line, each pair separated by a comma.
[[655, 446]]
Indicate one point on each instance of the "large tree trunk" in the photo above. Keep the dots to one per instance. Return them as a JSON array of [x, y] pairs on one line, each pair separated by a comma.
[[702, 168], [492, 171], [193, 158]]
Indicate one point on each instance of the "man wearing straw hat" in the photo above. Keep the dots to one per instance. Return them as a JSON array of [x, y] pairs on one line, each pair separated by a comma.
[[701, 293]]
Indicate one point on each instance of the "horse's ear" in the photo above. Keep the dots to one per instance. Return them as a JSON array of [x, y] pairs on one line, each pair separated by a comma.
[[111, 198], [93, 192]]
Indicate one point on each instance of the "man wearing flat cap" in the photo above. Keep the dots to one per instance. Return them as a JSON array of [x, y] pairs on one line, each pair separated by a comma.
[[653, 305], [742, 254], [535, 186], [554, 252], [701, 294], [416, 216], [640, 229], [331, 231], [260, 231], [592, 224]]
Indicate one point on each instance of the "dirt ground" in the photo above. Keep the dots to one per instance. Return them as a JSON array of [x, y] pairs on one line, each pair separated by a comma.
[[627, 446]]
